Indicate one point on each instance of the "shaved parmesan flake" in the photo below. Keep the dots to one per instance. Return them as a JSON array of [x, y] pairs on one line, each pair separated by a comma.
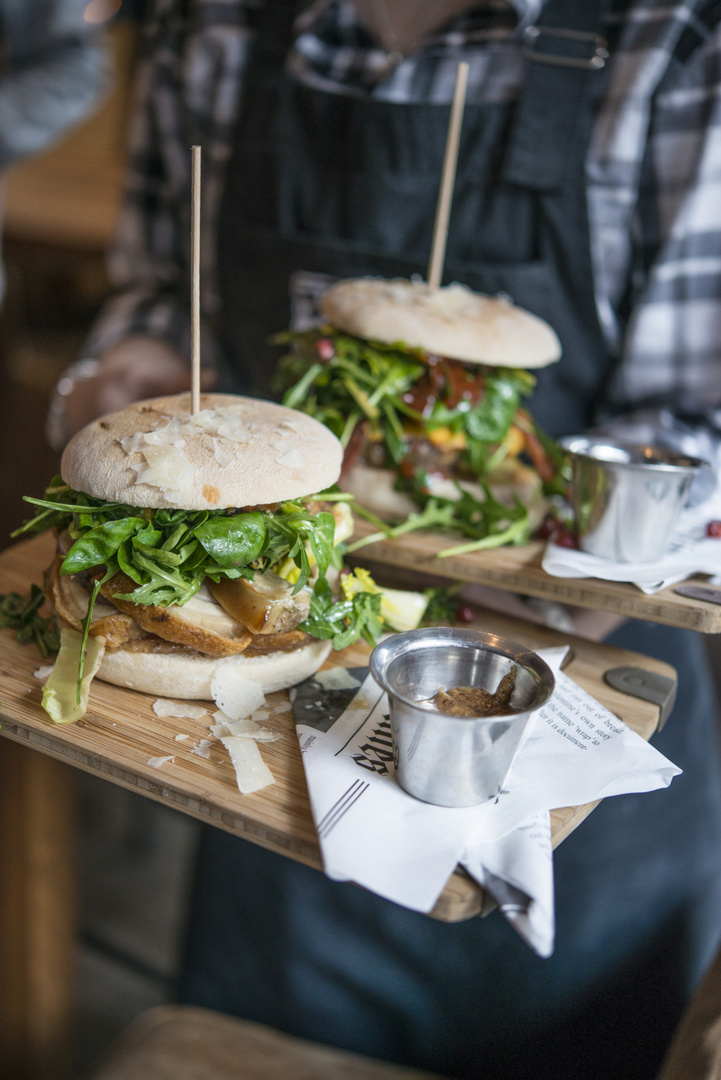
[[283, 705], [181, 738], [223, 452], [264, 734], [223, 421], [164, 467], [291, 459], [236, 696], [156, 762], [251, 772], [180, 709], [202, 749], [294, 424], [337, 678], [168, 435], [43, 672], [243, 728], [261, 714], [165, 464]]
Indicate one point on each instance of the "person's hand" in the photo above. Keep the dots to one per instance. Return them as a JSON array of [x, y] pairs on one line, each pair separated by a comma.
[[137, 368]]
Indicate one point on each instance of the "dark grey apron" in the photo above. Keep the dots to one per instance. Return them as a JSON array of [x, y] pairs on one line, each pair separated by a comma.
[[347, 186]]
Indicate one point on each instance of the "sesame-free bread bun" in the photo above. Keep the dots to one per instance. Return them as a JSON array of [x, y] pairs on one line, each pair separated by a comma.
[[235, 451], [374, 489], [190, 674], [451, 321]]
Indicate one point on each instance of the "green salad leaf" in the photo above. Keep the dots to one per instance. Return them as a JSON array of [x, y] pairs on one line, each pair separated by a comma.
[[488, 523], [167, 554], [363, 380], [22, 614], [345, 381], [233, 541], [343, 621]]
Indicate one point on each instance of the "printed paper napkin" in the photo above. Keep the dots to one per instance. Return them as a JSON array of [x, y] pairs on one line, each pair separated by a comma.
[[373, 833], [690, 552]]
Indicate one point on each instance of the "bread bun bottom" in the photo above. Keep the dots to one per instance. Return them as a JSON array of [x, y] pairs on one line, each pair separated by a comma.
[[374, 489], [189, 675]]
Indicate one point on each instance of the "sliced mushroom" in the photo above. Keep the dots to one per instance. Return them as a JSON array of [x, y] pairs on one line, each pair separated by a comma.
[[200, 623], [266, 605], [262, 644]]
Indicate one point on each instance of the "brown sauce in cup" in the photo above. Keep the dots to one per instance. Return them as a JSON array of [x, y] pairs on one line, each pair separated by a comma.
[[474, 700]]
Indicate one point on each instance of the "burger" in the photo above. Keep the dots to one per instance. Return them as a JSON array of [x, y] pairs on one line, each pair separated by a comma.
[[188, 541], [425, 389]]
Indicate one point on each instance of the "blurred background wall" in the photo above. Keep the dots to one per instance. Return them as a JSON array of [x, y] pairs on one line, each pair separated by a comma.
[[134, 856], [60, 209]]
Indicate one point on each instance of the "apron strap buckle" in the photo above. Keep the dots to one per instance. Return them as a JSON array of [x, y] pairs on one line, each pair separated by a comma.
[[567, 48]]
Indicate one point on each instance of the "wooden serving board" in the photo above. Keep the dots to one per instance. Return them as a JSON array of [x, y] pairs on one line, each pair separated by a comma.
[[120, 733], [519, 570]]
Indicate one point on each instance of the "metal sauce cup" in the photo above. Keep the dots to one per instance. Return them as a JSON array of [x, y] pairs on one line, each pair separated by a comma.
[[626, 497], [455, 760]]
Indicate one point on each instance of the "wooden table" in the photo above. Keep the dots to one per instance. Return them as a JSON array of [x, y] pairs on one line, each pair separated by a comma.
[[116, 739]]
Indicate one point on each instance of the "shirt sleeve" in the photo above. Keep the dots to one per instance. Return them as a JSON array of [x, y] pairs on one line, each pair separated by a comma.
[[188, 90], [671, 346], [53, 70]]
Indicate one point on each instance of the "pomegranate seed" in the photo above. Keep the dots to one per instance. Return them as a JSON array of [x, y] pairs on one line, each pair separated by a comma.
[[325, 348], [547, 528], [713, 528], [464, 613], [564, 538]]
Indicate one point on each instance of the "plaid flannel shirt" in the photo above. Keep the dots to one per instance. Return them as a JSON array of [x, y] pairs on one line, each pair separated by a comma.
[[653, 166]]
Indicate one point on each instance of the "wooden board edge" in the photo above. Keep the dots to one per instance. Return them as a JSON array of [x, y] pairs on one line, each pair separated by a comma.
[[528, 578], [164, 793]]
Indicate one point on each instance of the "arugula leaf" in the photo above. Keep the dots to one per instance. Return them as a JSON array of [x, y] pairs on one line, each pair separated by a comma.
[[100, 544], [291, 530], [490, 420], [164, 585], [343, 380], [442, 605], [489, 522], [167, 554], [514, 533], [361, 380], [299, 391], [234, 541], [124, 559], [343, 621], [22, 614]]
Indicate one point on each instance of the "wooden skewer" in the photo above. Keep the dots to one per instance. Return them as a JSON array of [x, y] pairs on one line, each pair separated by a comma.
[[195, 282], [445, 195]]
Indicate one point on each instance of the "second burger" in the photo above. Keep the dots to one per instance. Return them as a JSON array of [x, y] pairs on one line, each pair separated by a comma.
[[425, 388]]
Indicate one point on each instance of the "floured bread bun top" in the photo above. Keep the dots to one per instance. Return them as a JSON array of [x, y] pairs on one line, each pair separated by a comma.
[[452, 321], [235, 451]]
